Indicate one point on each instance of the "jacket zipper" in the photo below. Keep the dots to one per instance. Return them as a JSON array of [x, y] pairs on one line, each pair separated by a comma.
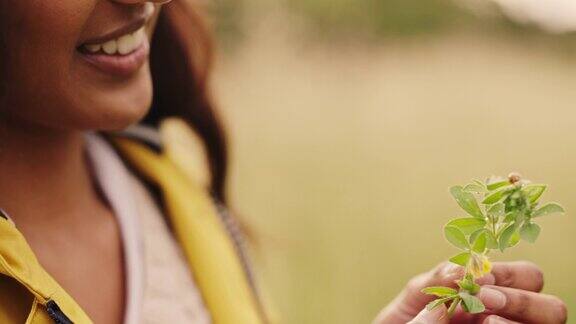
[[235, 233], [56, 313], [4, 214]]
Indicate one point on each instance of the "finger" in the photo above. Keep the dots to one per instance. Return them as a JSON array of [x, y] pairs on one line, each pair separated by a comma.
[[445, 274], [521, 275], [461, 317], [492, 299], [411, 301], [435, 316], [494, 319], [529, 307]]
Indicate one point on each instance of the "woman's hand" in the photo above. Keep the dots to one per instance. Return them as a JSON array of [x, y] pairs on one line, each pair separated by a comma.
[[511, 294]]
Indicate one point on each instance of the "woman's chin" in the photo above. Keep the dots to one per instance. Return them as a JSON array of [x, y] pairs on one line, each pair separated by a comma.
[[124, 106], [121, 118], [119, 123]]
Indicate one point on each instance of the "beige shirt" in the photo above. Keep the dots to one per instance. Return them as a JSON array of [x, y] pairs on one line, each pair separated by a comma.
[[160, 286]]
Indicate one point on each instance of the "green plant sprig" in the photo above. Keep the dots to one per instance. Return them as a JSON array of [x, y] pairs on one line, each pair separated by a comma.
[[501, 214]]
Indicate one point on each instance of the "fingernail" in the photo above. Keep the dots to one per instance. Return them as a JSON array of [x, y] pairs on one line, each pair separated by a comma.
[[492, 298], [430, 317], [496, 320]]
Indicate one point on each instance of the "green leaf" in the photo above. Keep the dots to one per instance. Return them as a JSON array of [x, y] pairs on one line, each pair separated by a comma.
[[474, 235], [453, 306], [529, 232], [440, 291], [549, 208], [497, 184], [511, 216], [496, 211], [474, 187], [467, 225], [469, 285], [534, 191], [435, 303], [514, 239], [467, 201], [504, 240], [461, 259], [491, 241], [456, 237], [479, 245], [473, 304], [496, 196]]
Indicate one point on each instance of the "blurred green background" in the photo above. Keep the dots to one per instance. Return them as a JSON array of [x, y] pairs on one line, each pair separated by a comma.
[[350, 119]]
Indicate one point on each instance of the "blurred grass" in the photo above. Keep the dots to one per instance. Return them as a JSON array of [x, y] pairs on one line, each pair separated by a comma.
[[337, 18], [376, 21], [380, 18], [343, 156], [228, 21]]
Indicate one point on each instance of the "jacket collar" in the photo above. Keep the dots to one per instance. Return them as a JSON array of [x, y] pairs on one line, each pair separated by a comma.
[[17, 261], [207, 245]]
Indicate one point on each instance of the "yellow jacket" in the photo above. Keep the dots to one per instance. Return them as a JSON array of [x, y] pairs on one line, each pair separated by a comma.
[[28, 294]]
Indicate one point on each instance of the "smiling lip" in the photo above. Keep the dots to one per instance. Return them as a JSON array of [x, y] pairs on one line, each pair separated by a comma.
[[119, 65], [120, 61], [127, 29]]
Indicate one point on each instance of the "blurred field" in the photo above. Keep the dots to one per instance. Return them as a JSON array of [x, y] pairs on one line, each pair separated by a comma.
[[343, 154]]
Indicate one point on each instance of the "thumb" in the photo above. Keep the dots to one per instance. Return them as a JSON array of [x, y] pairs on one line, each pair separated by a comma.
[[435, 316]]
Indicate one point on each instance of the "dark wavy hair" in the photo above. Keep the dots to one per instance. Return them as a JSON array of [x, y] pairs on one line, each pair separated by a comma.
[[181, 60]]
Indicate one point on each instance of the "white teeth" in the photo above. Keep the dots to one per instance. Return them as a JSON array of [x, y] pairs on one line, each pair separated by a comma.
[[110, 47], [139, 37], [124, 45], [94, 48]]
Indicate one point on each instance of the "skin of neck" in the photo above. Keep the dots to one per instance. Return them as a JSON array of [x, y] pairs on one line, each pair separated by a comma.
[[46, 179], [47, 188]]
